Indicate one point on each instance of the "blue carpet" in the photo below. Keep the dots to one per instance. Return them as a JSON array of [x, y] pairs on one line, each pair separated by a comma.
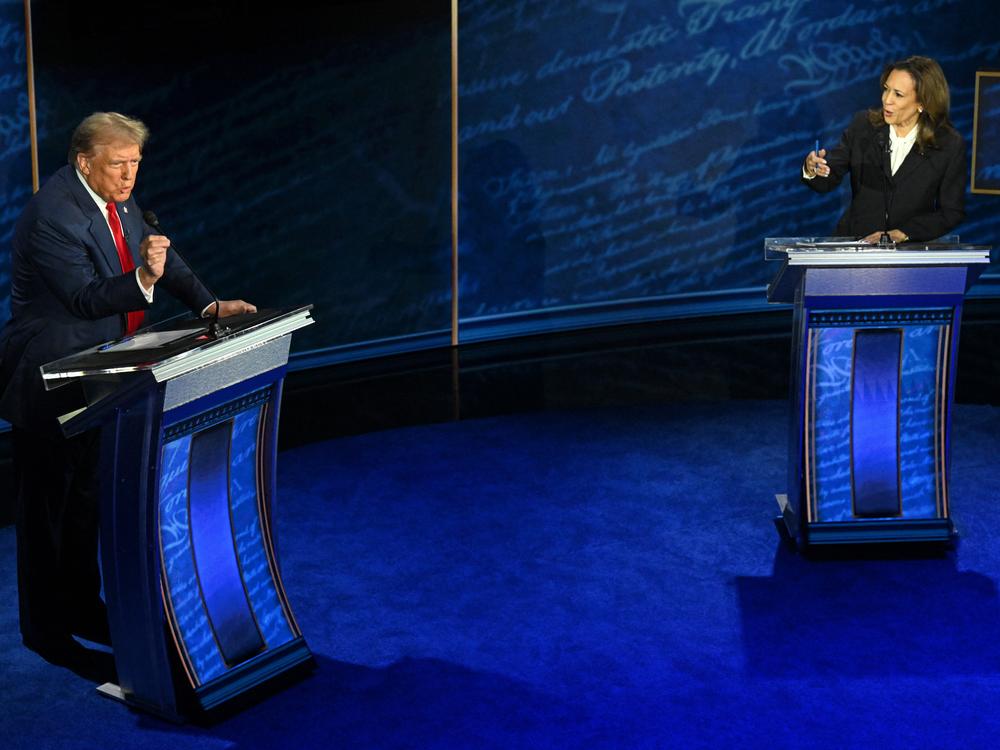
[[606, 578]]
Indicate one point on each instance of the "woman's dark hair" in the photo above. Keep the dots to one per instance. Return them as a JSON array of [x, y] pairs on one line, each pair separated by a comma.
[[931, 89]]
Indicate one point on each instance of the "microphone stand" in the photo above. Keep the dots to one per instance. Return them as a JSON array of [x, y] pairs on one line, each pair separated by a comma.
[[885, 241], [215, 329]]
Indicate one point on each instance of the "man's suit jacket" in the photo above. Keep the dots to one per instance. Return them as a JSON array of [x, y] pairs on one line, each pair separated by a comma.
[[927, 193], [68, 293]]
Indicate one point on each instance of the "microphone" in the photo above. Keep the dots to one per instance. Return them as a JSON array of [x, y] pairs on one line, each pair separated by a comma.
[[215, 328], [888, 186]]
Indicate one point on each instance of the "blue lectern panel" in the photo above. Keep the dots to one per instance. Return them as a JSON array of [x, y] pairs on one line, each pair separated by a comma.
[[203, 659], [274, 621], [837, 444], [924, 372], [831, 399], [214, 546], [875, 422], [220, 577]]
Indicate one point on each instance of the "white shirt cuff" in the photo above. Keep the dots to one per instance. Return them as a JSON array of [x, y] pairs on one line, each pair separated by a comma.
[[147, 293], [807, 176]]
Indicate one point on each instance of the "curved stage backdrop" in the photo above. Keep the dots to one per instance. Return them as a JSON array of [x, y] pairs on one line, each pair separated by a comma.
[[625, 159], [15, 144], [618, 159]]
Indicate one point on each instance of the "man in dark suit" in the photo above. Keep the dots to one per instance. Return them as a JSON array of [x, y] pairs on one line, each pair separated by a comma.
[[907, 163], [84, 269]]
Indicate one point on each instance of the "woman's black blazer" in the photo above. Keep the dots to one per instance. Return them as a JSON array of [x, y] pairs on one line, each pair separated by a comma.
[[926, 196]]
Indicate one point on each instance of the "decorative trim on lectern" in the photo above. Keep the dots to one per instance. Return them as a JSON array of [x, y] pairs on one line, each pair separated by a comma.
[[810, 424], [862, 318], [208, 418], [941, 419]]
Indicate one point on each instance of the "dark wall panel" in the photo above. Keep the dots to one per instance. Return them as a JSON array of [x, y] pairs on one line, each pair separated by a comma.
[[300, 151], [15, 148], [616, 158]]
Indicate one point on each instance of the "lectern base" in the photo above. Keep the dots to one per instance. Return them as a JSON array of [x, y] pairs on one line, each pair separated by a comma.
[[114, 692], [930, 531], [787, 518], [272, 669]]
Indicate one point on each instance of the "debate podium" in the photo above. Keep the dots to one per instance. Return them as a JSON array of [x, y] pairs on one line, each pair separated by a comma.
[[188, 419], [874, 355]]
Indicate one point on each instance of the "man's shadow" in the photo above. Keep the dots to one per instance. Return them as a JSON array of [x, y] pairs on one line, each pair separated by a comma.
[[409, 703]]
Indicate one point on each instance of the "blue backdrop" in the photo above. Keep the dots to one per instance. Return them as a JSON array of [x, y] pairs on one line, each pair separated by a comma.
[[625, 159], [619, 159], [15, 144], [300, 152]]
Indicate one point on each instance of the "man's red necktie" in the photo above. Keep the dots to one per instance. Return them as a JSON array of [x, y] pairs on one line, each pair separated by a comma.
[[135, 317]]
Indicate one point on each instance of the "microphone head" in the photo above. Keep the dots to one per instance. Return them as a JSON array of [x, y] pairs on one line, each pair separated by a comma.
[[150, 218]]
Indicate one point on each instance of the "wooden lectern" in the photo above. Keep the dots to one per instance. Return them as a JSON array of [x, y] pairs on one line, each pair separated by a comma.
[[189, 417]]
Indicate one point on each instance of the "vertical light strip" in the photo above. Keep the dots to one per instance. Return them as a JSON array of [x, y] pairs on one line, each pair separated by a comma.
[[32, 119], [975, 133], [944, 401], [809, 411], [454, 172], [938, 425]]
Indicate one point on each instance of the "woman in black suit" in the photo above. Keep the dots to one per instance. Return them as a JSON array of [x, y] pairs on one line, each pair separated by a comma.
[[907, 162]]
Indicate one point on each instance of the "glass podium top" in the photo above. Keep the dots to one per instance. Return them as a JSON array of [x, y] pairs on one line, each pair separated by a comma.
[[849, 251], [176, 345]]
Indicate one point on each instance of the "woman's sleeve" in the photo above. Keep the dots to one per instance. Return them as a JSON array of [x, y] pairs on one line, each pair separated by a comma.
[[838, 159]]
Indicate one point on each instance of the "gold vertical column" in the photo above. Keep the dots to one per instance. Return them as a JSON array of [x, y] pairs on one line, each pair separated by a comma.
[[32, 120], [455, 384], [454, 172]]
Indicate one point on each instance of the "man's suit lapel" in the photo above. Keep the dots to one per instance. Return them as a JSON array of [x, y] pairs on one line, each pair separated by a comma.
[[132, 226], [107, 252], [101, 234]]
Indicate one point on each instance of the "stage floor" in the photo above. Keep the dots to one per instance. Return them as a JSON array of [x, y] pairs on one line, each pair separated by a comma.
[[585, 578]]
